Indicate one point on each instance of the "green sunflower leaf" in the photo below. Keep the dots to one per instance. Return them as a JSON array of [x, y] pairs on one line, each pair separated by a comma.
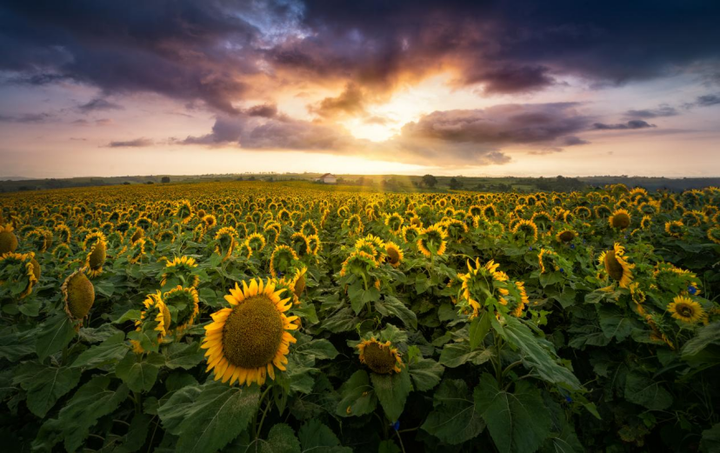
[[518, 421], [45, 385], [207, 417], [392, 390], [357, 396], [454, 419], [281, 439]]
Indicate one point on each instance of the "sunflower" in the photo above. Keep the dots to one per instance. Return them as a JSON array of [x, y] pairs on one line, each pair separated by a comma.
[[714, 234], [156, 317], [183, 305], [544, 259], [300, 244], [394, 221], [686, 310], [675, 228], [210, 221], [248, 341], [256, 241], [479, 282], [432, 241], [281, 259], [526, 228], [314, 244], [410, 234], [62, 252], [358, 263], [620, 219], [79, 295], [19, 272], [381, 358], [617, 266], [566, 236], [182, 268], [138, 234], [184, 211], [395, 255], [226, 240], [96, 258], [298, 284]]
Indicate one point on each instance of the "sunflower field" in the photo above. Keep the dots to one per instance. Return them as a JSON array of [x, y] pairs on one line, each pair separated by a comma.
[[251, 316]]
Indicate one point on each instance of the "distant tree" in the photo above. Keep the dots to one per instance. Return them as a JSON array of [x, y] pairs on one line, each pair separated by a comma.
[[126, 183], [239, 178], [455, 184], [429, 181], [150, 182], [251, 178], [165, 179]]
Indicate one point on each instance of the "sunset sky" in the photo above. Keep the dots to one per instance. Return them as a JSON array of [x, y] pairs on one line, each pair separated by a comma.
[[523, 88]]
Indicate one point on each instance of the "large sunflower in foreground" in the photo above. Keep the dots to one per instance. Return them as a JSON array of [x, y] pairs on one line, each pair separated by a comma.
[[686, 310], [617, 266], [248, 341]]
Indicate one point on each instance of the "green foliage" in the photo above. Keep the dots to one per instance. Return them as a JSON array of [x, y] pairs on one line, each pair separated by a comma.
[[491, 339]]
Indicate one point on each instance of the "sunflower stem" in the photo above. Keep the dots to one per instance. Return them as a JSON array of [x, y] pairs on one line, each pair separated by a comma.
[[257, 428], [402, 447]]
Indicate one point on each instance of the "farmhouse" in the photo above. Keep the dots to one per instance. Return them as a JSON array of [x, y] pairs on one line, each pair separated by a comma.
[[328, 178]]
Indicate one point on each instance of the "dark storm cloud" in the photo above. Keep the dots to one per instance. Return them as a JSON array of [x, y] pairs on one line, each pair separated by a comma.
[[206, 51], [632, 124], [137, 143], [458, 137], [183, 49], [99, 104], [661, 111]]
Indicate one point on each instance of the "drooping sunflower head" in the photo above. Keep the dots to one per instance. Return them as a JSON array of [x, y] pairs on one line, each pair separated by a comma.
[[181, 271], [308, 228], [372, 245], [675, 228], [298, 283], [226, 240], [616, 266], [96, 258], [546, 260], [246, 342], [78, 294], [18, 274], [410, 234], [210, 221], [714, 234], [184, 211], [394, 253], [299, 243], [183, 306], [566, 236], [137, 234], [314, 244], [620, 219], [256, 241], [687, 310], [525, 230], [358, 263], [282, 260], [136, 252], [394, 222], [381, 358], [154, 318], [432, 241]]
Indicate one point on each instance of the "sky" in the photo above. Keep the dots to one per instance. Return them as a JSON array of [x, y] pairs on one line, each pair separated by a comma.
[[452, 87]]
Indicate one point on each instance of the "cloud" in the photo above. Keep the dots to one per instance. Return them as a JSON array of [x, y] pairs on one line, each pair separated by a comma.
[[661, 111], [137, 143], [263, 110], [221, 52], [350, 102], [708, 100], [632, 124], [455, 137], [99, 104], [27, 118]]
